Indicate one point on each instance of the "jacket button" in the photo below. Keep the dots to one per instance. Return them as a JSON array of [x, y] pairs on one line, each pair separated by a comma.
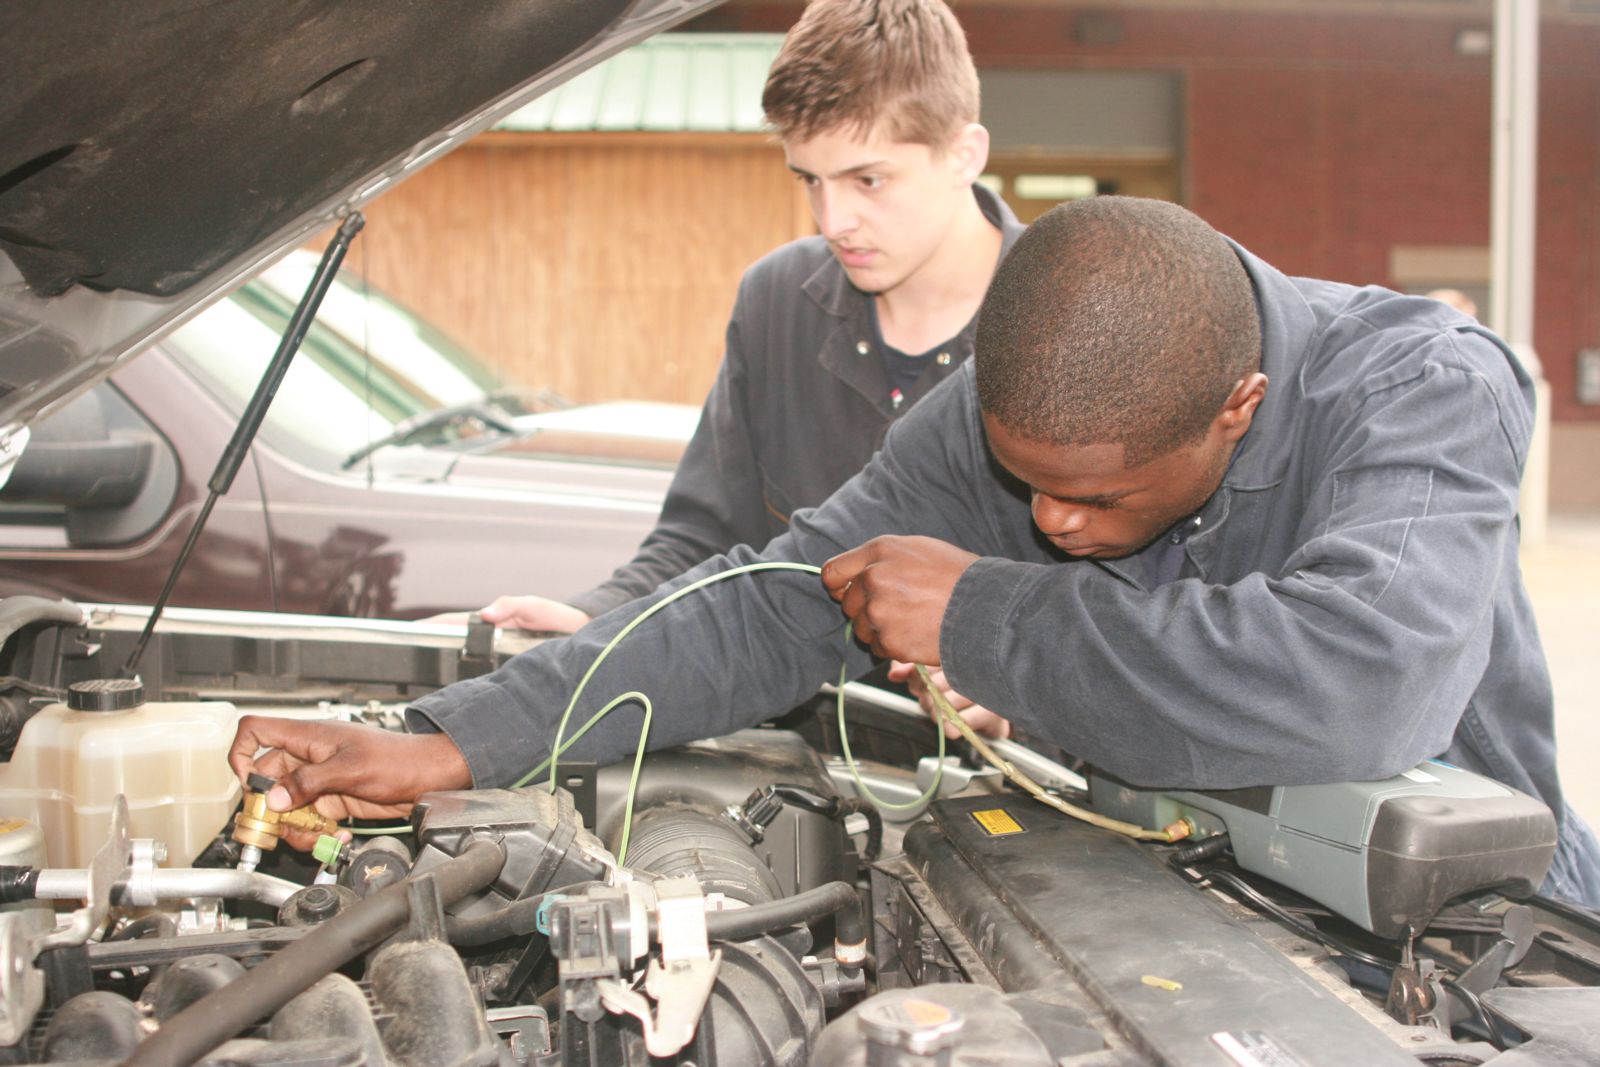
[[863, 348], [943, 359]]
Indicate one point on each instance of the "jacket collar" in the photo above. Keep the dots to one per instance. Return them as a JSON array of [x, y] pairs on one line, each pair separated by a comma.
[[1288, 328], [845, 352], [830, 287]]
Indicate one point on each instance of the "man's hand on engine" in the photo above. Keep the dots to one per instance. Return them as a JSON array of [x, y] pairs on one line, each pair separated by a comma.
[[895, 589], [980, 718], [534, 613], [348, 771]]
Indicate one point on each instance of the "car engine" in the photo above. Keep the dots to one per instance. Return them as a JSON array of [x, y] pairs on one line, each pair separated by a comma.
[[753, 907]]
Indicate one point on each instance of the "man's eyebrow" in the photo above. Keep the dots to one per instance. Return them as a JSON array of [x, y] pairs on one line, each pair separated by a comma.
[[1094, 501], [859, 168]]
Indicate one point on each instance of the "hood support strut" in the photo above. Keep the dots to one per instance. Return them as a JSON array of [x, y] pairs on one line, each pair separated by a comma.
[[239, 447]]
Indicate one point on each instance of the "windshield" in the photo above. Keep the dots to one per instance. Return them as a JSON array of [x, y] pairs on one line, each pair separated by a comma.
[[418, 355], [366, 366], [371, 374]]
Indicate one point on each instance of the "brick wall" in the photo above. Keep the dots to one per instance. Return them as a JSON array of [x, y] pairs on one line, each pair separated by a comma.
[[1320, 141]]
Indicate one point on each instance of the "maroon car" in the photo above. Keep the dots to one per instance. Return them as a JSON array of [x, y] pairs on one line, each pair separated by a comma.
[[393, 476]]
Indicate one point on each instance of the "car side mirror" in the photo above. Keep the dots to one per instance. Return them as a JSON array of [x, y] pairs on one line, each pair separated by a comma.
[[81, 474], [97, 463]]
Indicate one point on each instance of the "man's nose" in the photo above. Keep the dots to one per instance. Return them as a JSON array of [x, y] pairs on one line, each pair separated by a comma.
[[1058, 517], [836, 215]]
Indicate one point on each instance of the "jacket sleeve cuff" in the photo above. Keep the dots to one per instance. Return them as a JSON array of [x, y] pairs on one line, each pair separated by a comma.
[[601, 599], [972, 634], [498, 745]]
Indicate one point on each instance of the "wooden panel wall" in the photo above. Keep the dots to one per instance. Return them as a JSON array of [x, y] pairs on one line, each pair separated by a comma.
[[598, 265]]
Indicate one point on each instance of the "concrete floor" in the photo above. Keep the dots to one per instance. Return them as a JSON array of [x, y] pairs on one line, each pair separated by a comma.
[[1563, 578]]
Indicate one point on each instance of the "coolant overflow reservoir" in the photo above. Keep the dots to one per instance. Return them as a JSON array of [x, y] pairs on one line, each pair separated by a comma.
[[168, 759]]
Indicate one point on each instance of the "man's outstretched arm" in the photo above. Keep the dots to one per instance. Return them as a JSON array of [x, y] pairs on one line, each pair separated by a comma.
[[728, 656]]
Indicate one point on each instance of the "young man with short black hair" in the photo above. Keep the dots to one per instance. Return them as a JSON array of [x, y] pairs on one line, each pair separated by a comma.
[[1201, 524]]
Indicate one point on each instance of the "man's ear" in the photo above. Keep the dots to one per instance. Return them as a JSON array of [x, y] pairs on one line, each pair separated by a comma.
[[1240, 407], [969, 152]]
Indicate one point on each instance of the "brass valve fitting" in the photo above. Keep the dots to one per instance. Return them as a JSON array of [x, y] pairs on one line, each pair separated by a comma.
[[261, 827]]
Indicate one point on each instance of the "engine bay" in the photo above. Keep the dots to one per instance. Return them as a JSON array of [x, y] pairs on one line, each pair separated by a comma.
[[756, 908]]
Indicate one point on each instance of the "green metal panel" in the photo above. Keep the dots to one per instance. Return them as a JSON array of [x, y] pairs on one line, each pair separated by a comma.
[[702, 82]]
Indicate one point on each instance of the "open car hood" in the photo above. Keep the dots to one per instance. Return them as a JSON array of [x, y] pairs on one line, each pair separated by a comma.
[[159, 153]]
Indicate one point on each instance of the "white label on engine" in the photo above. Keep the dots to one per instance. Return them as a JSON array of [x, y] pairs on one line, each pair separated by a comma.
[[1252, 1048]]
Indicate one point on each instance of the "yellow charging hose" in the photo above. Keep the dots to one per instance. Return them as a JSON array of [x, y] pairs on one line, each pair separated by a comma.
[[1176, 832]]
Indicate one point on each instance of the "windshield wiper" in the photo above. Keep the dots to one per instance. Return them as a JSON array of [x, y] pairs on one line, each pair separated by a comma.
[[484, 411]]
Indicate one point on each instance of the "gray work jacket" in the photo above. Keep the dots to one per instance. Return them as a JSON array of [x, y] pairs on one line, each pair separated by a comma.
[[1350, 605], [800, 403]]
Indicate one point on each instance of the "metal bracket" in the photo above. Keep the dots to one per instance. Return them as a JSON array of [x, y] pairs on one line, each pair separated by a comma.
[[1413, 988], [108, 868], [139, 888], [477, 651], [22, 985], [26, 933]]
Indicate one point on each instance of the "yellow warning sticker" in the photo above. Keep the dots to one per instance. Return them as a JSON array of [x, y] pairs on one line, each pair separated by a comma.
[[997, 822]]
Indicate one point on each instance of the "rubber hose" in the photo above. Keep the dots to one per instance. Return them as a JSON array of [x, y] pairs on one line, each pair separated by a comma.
[[198, 1029], [517, 919], [148, 926], [831, 898], [736, 924], [18, 884], [1202, 850], [19, 611]]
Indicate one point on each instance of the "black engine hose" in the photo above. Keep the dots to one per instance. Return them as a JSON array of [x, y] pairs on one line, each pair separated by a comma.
[[157, 925], [838, 899], [520, 917], [1205, 849], [208, 1022], [18, 884], [517, 919]]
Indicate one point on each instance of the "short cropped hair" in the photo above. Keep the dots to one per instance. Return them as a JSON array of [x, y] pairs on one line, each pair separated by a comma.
[[899, 66], [1116, 320]]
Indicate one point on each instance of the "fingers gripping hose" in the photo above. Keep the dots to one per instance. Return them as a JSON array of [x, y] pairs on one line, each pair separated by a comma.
[[207, 1023]]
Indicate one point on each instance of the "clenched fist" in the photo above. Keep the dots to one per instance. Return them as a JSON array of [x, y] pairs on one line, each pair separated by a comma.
[[895, 589]]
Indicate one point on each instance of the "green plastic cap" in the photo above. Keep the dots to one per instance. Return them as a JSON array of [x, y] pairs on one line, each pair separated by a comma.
[[326, 850]]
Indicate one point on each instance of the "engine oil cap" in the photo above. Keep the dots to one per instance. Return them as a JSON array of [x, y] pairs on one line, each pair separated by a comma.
[[105, 694]]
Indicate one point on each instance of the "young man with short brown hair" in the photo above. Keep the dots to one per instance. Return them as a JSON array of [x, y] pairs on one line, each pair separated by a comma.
[[835, 336]]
